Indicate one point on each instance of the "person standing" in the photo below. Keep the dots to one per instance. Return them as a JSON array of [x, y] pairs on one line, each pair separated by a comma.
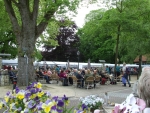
[[125, 74], [118, 70], [108, 70], [57, 70]]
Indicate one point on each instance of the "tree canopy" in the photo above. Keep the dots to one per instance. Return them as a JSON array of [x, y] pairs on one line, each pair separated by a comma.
[[128, 19], [29, 18]]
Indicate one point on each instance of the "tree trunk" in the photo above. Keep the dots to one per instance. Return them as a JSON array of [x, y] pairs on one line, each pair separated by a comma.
[[140, 66], [117, 43], [118, 36], [26, 72], [26, 31]]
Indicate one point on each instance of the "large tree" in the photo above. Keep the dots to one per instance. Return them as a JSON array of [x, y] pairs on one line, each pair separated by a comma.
[[94, 42], [67, 44], [138, 30], [29, 18], [7, 39]]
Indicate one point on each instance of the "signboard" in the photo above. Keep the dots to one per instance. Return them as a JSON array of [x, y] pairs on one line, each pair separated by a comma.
[[102, 61]]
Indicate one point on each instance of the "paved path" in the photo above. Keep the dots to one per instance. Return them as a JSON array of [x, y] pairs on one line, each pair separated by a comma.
[[117, 93]]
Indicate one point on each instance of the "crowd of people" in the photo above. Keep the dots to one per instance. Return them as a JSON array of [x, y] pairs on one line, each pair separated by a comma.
[[107, 75], [81, 74]]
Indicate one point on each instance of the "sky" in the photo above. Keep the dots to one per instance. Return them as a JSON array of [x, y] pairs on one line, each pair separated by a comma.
[[79, 19]]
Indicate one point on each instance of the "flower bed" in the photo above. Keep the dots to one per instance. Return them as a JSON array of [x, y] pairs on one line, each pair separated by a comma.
[[33, 100]]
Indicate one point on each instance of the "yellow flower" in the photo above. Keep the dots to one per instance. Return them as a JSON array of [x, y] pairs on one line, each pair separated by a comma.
[[40, 94], [47, 107], [20, 95], [16, 102], [75, 111], [67, 102], [33, 96], [6, 98], [84, 111], [54, 102], [1, 105], [39, 85]]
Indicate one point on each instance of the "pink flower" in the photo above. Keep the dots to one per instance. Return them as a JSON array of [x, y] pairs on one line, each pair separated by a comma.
[[141, 103]]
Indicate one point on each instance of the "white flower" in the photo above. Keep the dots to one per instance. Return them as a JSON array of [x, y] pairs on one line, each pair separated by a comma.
[[91, 100], [131, 104]]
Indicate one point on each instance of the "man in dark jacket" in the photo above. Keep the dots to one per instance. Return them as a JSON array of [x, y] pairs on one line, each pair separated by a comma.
[[80, 79], [45, 76]]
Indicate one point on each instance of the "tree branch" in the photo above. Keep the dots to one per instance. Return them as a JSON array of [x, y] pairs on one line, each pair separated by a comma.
[[43, 24], [12, 16], [15, 3], [35, 10]]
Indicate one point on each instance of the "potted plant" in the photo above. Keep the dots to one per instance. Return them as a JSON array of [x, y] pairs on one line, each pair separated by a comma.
[[92, 101]]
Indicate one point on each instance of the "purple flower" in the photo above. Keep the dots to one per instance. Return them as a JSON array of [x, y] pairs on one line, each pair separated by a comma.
[[60, 103], [55, 98], [84, 107], [79, 111], [64, 98], [33, 90], [17, 89], [27, 95], [20, 108], [48, 94], [26, 110], [47, 101], [39, 106], [31, 104], [29, 87], [59, 110], [36, 99], [53, 108], [8, 93]]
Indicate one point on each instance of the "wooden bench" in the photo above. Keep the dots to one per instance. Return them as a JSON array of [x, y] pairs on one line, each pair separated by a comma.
[[40, 78], [55, 77]]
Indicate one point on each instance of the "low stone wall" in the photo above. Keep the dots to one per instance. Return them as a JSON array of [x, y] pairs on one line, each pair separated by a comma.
[[4, 78]]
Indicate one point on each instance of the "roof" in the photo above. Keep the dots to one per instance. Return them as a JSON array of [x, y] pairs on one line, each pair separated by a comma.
[[145, 58]]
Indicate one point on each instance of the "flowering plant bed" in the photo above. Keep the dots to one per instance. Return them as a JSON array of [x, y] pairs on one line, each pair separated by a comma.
[[33, 100]]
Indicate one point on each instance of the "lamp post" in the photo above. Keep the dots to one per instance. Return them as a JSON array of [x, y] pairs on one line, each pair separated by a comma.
[[78, 53], [26, 57]]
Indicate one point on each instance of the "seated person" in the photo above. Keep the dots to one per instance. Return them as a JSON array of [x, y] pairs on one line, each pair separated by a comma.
[[11, 74], [62, 74], [80, 79], [43, 75], [63, 78], [104, 77], [87, 74], [94, 75], [49, 73]]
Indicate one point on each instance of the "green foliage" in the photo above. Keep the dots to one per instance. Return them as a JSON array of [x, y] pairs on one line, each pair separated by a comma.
[[135, 36], [134, 18], [95, 43]]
